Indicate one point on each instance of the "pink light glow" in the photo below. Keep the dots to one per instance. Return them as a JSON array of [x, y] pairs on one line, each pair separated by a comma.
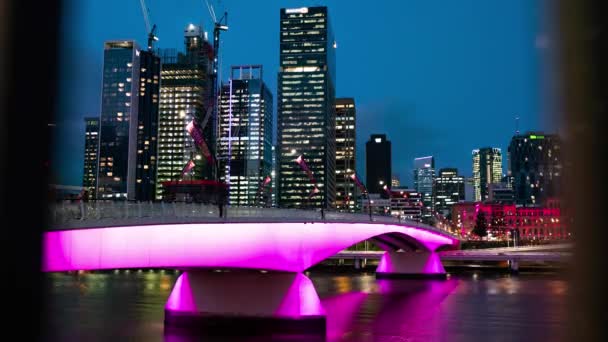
[[291, 247], [181, 298]]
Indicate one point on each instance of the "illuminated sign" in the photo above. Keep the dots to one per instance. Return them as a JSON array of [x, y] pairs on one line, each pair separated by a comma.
[[296, 10], [533, 137], [378, 140]]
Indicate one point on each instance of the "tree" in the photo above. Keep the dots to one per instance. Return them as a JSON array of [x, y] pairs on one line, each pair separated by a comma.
[[480, 228]]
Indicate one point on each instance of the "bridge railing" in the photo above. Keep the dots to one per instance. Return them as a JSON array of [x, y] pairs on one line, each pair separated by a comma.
[[78, 214]]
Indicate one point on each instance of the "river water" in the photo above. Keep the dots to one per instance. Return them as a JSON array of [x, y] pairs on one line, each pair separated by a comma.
[[128, 306]]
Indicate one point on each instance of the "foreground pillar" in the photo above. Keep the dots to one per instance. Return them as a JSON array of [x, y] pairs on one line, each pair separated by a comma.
[[422, 264], [244, 303]]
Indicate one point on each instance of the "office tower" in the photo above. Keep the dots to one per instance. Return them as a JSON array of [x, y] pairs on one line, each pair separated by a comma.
[[186, 95], [274, 183], [245, 137], [395, 182], [424, 180], [487, 169], [345, 154], [469, 189], [449, 189], [91, 149], [378, 163], [305, 107], [535, 166], [128, 122]]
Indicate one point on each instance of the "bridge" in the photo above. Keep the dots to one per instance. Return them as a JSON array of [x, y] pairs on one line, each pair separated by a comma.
[[513, 255], [246, 265]]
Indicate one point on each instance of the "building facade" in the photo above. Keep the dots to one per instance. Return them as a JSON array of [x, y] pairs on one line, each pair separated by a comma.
[[345, 154], [186, 95], [91, 155], [531, 223], [535, 166], [407, 204], [378, 163], [487, 169], [424, 182], [128, 122], [500, 193], [305, 108], [395, 182], [245, 137], [449, 189]]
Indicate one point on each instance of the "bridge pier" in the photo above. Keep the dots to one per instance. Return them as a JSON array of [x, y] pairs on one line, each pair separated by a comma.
[[514, 266], [255, 302], [419, 264]]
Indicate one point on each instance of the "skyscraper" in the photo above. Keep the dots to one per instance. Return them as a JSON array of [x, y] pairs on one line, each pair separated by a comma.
[[395, 182], [424, 181], [185, 96], [535, 166], [345, 154], [487, 169], [91, 156], [378, 163], [306, 114], [245, 137], [128, 122], [449, 189]]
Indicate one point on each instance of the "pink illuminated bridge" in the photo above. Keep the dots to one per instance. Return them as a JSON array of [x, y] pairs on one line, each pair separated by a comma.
[[280, 243]]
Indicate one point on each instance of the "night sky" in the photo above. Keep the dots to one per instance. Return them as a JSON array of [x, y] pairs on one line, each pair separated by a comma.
[[438, 77]]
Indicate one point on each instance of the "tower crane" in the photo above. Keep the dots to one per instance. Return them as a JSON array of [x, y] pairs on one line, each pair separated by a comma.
[[150, 29]]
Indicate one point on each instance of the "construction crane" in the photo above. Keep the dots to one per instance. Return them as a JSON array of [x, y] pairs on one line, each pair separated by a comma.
[[218, 27], [150, 29]]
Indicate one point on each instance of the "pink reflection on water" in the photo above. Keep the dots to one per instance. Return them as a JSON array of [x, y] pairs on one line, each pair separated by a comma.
[[341, 313]]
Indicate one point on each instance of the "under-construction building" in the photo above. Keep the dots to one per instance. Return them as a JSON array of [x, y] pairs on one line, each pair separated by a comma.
[[186, 100]]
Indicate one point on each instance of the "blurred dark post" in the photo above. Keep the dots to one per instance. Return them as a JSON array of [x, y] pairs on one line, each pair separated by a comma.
[[28, 73], [583, 30]]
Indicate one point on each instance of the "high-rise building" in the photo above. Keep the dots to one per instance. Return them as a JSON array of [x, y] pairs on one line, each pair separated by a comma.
[[378, 163], [487, 169], [536, 167], [91, 150], [424, 181], [345, 154], [449, 189], [395, 182], [128, 122], [245, 137], [469, 189], [274, 175], [305, 107], [186, 95]]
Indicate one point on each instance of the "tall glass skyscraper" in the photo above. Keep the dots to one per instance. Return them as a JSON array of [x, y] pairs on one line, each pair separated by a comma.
[[91, 155], [245, 137], [345, 154], [535, 166], [487, 169], [128, 122], [306, 115], [185, 96], [424, 181]]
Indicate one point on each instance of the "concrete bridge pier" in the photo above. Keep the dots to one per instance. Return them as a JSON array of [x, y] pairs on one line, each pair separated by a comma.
[[514, 266], [414, 264], [256, 302]]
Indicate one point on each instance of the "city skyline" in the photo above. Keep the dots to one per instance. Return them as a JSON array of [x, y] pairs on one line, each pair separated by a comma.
[[408, 108]]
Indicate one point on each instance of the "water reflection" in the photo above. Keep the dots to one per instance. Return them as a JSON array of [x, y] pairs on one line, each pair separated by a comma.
[[129, 306]]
